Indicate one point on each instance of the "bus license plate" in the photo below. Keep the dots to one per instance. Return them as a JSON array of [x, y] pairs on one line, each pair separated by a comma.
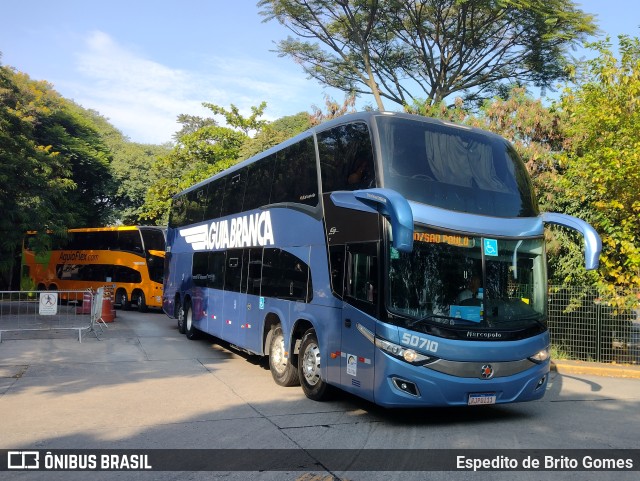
[[478, 399]]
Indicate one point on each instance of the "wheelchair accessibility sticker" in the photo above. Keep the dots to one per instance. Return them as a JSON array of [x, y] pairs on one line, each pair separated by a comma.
[[491, 247]]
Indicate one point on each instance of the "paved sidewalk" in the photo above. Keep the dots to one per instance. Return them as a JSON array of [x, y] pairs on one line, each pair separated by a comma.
[[145, 386], [596, 369]]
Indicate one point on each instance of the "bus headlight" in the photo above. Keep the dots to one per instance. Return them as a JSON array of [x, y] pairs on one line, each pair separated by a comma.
[[408, 355], [540, 356]]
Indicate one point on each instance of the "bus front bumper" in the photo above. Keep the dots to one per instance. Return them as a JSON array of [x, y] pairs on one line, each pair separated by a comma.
[[399, 384]]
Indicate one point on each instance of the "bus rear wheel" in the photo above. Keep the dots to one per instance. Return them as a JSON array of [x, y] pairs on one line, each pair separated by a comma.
[[282, 369], [141, 302], [180, 317], [309, 370], [122, 299]]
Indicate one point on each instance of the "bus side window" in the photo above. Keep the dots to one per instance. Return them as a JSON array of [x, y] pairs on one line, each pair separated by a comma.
[[362, 275], [234, 193], [213, 201], [233, 274], [259, 180], [216, 269], [301, 188], [336, 264], [346, 158], [254, 271]]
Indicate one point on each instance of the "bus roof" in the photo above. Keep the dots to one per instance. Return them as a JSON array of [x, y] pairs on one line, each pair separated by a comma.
[[109, 228], [348, 118]]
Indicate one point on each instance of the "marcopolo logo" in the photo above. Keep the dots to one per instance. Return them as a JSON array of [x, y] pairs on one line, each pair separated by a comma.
[[244, 231]]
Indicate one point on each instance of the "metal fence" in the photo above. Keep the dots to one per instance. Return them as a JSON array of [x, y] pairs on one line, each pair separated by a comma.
[[36, 312], [588, 324], [584, 323]]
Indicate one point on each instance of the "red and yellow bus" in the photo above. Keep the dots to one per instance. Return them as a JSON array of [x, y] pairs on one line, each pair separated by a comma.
[[130, 259]]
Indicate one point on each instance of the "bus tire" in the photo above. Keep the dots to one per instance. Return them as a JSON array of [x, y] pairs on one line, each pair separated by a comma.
[[141, 302], [309, 372], [189, 329], [180, 317], [122, 299], [282, 369]]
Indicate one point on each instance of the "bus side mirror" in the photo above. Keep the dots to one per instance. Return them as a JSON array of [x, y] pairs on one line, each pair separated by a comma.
[[386, 202], [593, 244]]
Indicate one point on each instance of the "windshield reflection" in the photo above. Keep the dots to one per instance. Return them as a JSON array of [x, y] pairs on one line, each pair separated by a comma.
[[468, 281]]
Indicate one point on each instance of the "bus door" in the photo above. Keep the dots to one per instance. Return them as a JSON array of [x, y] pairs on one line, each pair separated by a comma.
[[358, 318], [234, 300], [215, 300], [251, 330]]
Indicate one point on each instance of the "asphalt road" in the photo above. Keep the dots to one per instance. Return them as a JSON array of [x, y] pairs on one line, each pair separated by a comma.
[[145, 386]]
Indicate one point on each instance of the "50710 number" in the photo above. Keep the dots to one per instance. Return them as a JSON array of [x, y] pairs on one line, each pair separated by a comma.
[[419, 342]]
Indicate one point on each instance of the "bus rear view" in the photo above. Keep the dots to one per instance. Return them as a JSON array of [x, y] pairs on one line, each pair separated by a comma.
[[415, 246]]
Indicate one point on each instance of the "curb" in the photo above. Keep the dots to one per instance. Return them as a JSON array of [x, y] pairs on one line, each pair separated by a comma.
[[596, 369]]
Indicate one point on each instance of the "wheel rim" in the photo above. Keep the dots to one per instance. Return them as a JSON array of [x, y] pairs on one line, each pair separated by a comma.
[[189, 319], [278, 359], [123, 299], [311, 364]]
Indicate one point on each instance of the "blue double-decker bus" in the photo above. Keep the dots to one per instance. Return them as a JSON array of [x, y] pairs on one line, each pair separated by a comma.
[[396, 257]]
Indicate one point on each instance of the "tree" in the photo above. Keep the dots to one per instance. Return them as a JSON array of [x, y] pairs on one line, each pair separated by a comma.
[[131, 169], [601, 158], [274, 133], [333, 109], [204, 149], [63, 128], [74, 138], [34, 180], [404, 50]]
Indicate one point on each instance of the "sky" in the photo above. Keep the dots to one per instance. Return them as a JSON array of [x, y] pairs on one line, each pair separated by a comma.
[[141, 63]]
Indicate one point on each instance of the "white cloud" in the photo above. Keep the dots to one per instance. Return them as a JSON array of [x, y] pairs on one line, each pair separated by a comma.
[[142, 97]]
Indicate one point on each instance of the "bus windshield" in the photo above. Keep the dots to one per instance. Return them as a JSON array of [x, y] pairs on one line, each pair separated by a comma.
[[455, 168], [468, 281]]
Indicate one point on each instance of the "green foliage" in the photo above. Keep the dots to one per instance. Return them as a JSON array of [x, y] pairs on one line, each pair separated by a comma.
[[274, 133], [352, 36], [33, 178], [55, 168], [402, 49], [601, 160], [63, 166], [333, 109], [130, 169], [237, 121], [81, 157], [204, 148]]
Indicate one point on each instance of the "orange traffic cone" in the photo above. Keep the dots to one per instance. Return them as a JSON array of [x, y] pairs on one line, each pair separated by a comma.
[[85, 308], [108, 311]]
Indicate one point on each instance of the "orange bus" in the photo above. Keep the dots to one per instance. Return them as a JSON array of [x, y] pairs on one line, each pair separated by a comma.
[[130, 259]]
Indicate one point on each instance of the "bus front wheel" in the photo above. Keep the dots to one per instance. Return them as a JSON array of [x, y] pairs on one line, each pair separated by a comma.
[[309, 370], [189, 329], [141, 302], [282, 369]]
